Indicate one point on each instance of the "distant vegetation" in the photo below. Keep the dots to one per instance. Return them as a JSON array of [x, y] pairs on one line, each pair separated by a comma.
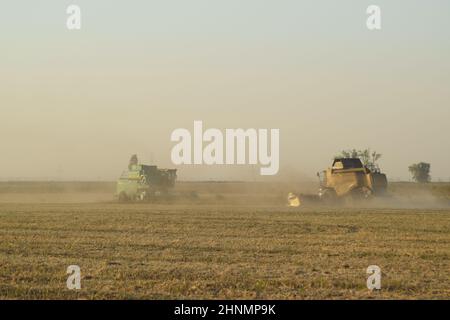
[[420, 172], [367, 157]]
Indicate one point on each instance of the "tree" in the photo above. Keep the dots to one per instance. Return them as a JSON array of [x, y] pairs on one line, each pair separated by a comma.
[[369, 159], [348, 154], [420, 172]]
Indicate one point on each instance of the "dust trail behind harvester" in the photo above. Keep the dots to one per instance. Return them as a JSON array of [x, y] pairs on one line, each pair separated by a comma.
[[259, 194]]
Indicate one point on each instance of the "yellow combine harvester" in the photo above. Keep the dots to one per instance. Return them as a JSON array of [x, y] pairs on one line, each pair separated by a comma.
[[349, 177]]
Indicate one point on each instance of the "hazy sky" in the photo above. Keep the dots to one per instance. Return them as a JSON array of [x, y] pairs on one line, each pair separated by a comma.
[[77, 104]]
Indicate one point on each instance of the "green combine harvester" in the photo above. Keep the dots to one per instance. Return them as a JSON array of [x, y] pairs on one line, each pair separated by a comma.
[[143, 182]]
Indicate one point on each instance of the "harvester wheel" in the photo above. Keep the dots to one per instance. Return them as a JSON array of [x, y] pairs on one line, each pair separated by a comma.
[[123, 197], [328, 195], [363, 193]]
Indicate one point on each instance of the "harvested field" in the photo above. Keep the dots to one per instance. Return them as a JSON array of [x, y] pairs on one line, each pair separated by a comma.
[[218, 245]]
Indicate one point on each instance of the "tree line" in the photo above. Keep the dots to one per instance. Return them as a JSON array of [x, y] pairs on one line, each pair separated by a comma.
[[420, 171]]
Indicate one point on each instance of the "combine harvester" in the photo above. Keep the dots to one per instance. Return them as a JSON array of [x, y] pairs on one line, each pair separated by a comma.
[[143, 182], [347, 179]]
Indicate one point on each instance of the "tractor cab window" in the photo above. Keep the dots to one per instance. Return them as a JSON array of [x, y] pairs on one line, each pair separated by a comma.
[[352, 163], [338, 165], [347, 163]]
